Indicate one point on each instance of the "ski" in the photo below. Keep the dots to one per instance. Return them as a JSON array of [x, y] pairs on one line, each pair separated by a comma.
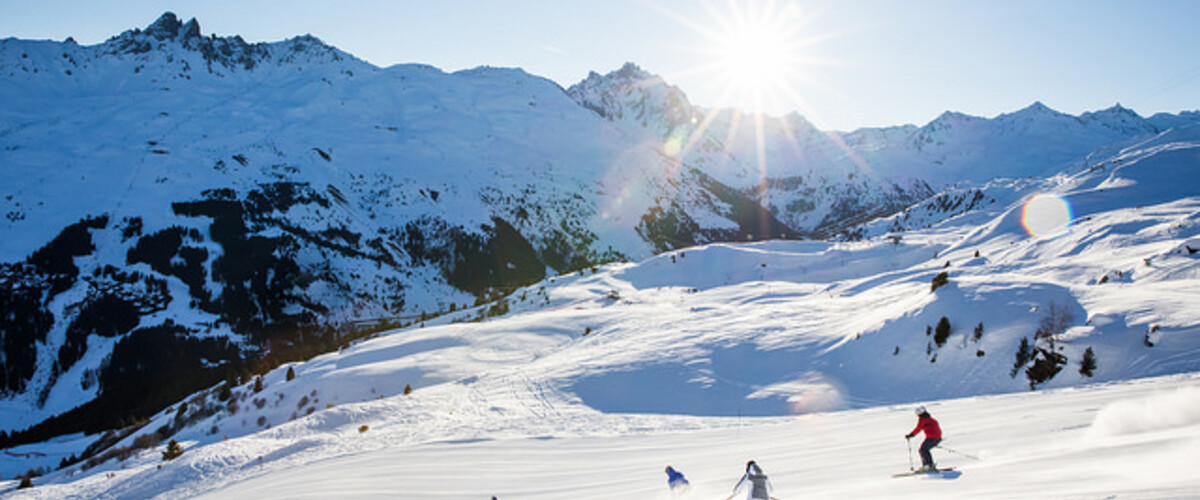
[[919, 473]]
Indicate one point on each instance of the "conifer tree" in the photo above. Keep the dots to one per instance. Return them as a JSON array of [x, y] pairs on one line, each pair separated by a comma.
[[942, 332], [173, 450], [1087, 366], [1024, 354]]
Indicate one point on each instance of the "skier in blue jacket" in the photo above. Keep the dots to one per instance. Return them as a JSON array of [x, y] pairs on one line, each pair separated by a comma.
[[676, 481]]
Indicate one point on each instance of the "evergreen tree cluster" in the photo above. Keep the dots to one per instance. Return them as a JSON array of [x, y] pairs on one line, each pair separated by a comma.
[[939, 281], [1043, 359], [173, 451]]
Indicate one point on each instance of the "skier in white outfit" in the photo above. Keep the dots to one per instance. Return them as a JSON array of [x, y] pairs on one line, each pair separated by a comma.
[[756, 480]]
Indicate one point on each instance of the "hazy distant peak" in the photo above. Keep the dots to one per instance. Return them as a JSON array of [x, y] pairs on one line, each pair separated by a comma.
[[956, 116], [1039, 105], [949, 120], [1120, 119], [1039, 108], [1115, 111], [1164, 121], [1118, 108], [1036, 112]]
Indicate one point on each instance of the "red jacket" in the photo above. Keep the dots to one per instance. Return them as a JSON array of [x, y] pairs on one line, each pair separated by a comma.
[[930, 426]]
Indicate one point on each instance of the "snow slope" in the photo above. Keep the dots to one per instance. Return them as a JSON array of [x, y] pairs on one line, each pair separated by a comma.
[[1133, 439], [806, 356], [1088, 443], [348, 192], [229, 198]]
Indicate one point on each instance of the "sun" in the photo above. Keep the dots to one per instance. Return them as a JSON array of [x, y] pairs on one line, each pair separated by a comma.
[[755, 56], [757, 52], [754, 60], [752, 55]]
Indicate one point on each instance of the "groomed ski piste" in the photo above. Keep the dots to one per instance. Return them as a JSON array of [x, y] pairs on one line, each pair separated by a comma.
[[807, 357]]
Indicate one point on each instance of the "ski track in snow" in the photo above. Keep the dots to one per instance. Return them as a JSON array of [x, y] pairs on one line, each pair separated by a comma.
[[1068, 443], [805, 356]]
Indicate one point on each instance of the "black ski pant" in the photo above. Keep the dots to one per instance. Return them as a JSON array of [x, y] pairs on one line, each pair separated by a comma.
[[926, 454]]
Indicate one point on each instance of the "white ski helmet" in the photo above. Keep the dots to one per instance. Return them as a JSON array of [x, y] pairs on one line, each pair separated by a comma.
[[919, 410]]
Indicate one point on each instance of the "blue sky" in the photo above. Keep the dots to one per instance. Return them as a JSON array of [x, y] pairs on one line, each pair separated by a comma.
[[860, 62]]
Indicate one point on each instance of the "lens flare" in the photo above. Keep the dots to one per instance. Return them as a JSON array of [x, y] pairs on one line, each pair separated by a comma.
[[1046, 216], [674, 144]]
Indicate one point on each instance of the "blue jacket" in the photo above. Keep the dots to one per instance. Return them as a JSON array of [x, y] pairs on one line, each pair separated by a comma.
[[675, 479]]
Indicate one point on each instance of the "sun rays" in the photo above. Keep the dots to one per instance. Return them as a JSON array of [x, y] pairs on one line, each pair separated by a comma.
[[761, 58], [755, 55]]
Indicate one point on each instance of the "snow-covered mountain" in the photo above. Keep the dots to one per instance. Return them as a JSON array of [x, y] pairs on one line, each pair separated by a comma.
[[804, 355], [807, 178], [242, 199], [184, 209]]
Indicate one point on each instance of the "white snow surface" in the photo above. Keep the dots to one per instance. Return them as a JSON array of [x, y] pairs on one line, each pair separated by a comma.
[[805, 356], [1135, 439]]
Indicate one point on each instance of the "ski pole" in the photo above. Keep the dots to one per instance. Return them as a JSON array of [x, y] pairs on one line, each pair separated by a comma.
[[910, 462], [972, 457]]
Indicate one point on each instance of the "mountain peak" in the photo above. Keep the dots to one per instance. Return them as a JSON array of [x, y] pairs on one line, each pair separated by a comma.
[[629, 74], [950, 118], [630, 70], [1118, 109], [634, 93], [168, 27], [1033, 112], [1039, 107], [1120, 119], [168, 34], [1114, 112]]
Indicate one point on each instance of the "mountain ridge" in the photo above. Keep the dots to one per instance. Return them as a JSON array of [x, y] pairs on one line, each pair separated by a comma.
[[246, 199]]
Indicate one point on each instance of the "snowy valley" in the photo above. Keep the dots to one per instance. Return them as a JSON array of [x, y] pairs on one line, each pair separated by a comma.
[[527, 291]]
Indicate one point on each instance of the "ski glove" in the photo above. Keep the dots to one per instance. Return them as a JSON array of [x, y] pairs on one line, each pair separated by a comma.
[[908, 436]]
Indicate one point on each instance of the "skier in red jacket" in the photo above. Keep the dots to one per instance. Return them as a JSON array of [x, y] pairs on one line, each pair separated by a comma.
[[933, 436]]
